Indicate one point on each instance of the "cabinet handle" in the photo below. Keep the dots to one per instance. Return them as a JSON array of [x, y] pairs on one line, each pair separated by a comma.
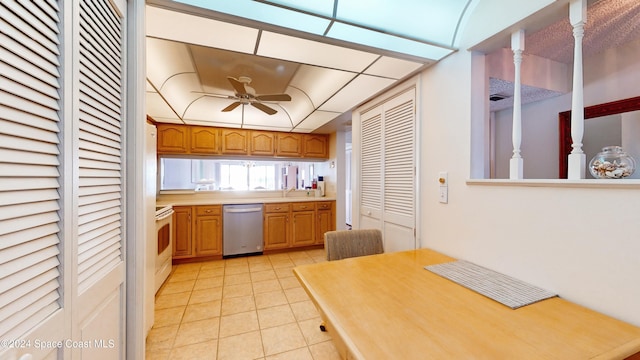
[[304, 207], [278, 208], [207, 211]]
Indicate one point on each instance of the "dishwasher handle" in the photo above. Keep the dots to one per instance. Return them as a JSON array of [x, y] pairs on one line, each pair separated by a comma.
[[243, 210]]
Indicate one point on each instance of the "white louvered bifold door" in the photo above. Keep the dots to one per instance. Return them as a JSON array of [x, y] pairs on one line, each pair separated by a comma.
[[29, 176], [100, 267], [100, 192], [371, 169], [399, 187]]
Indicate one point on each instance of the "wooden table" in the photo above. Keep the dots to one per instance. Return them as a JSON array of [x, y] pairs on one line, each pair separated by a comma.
[[389, 307]]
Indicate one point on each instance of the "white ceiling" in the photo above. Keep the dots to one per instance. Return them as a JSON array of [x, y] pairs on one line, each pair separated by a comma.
[[191, 51]]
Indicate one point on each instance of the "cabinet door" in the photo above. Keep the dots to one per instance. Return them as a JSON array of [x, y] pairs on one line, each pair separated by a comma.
[[276, 231], [182, 231], [234, 141], [289, 145], [324, 224], [204, 140], [303, 228], [208, 235], [316, 146], [172, 139], [262, 143]]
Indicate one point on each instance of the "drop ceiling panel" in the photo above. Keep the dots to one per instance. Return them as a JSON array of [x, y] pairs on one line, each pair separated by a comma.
[[300, 105], [357, 91], [313, 52], [433, 21], [315, 120], [392, 68], [180, 91], [268, 76], [167, 58], [197, 30], [319, 84], [157, 107]]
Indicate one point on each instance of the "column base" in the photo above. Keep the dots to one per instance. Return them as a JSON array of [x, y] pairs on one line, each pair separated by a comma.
[[516, 166], [576, 166]]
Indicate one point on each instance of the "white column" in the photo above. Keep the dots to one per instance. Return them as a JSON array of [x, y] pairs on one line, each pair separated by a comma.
[[516, 163], [577, 158]]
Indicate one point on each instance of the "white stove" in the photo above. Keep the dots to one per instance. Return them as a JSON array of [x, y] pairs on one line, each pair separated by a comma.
[[164, 244]]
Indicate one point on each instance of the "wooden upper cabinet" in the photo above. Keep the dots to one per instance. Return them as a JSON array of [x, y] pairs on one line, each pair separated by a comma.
[[316, 146], [173, 139], [234, 141], [262, 143], [207, 140], [289, 145], [204, 140]]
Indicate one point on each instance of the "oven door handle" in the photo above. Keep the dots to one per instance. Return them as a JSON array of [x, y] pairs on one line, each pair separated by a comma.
[[165, 215]]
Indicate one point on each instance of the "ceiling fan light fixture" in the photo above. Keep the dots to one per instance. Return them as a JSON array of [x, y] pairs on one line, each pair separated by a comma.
[[246, 95]]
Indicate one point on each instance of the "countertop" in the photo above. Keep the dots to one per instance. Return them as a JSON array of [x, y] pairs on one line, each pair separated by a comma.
[[203, 199]]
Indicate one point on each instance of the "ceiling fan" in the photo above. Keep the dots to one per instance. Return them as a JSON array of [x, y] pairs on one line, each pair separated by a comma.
[[246, 95]]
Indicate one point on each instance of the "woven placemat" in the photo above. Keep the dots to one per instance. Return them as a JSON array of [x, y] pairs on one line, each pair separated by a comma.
[[494, 285]]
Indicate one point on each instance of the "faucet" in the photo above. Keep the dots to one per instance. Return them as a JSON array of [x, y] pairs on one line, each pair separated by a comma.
[[285, 191]]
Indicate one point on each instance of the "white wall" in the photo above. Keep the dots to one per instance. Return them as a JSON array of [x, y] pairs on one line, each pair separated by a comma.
[[579, 242]]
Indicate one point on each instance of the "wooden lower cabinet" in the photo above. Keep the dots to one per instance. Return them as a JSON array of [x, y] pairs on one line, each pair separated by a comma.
[[182, 243], [325, 222], [276, 226], [208, 231], [197, 232], [297, 224]]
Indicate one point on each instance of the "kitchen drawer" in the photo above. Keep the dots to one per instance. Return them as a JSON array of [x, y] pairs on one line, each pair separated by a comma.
[[209, 210], [277, 208], [323, 205], [303, 206]]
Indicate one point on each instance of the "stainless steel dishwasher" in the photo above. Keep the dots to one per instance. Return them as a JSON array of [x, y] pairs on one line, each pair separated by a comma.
[[241, 229]]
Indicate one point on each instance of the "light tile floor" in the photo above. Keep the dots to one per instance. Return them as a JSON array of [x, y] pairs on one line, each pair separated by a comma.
[[241, 308]]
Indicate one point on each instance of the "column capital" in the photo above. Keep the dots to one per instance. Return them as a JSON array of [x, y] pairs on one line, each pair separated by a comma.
[[578, 12]]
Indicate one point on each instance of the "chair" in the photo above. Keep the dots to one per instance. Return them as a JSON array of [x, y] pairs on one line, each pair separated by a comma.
[[344, 244]]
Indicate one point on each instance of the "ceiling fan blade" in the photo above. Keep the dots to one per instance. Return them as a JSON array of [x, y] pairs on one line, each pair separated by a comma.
[[232, 106], [264, 108], [274, 97], [237, 85]]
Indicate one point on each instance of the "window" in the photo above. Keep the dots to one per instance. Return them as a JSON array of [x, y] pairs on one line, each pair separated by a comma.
[[233, 175]]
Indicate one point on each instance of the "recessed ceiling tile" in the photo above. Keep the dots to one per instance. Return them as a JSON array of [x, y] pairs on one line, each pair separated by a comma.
[[211, 123], [209, 108], [180, 91], [318, 83], [392, 67], [198, 30], [313, 52], [255, 117], [299, 106], [156, 107], [167, 58], [315, 120], [357, 91]]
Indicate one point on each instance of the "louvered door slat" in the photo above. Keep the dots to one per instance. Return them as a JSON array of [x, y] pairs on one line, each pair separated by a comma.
[[27, 27]]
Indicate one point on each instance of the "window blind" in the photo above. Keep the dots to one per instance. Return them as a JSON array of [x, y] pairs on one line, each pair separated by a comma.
[[29, 177]]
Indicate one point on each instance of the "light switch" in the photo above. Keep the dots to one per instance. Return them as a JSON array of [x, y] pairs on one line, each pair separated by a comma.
[[443, 181]]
